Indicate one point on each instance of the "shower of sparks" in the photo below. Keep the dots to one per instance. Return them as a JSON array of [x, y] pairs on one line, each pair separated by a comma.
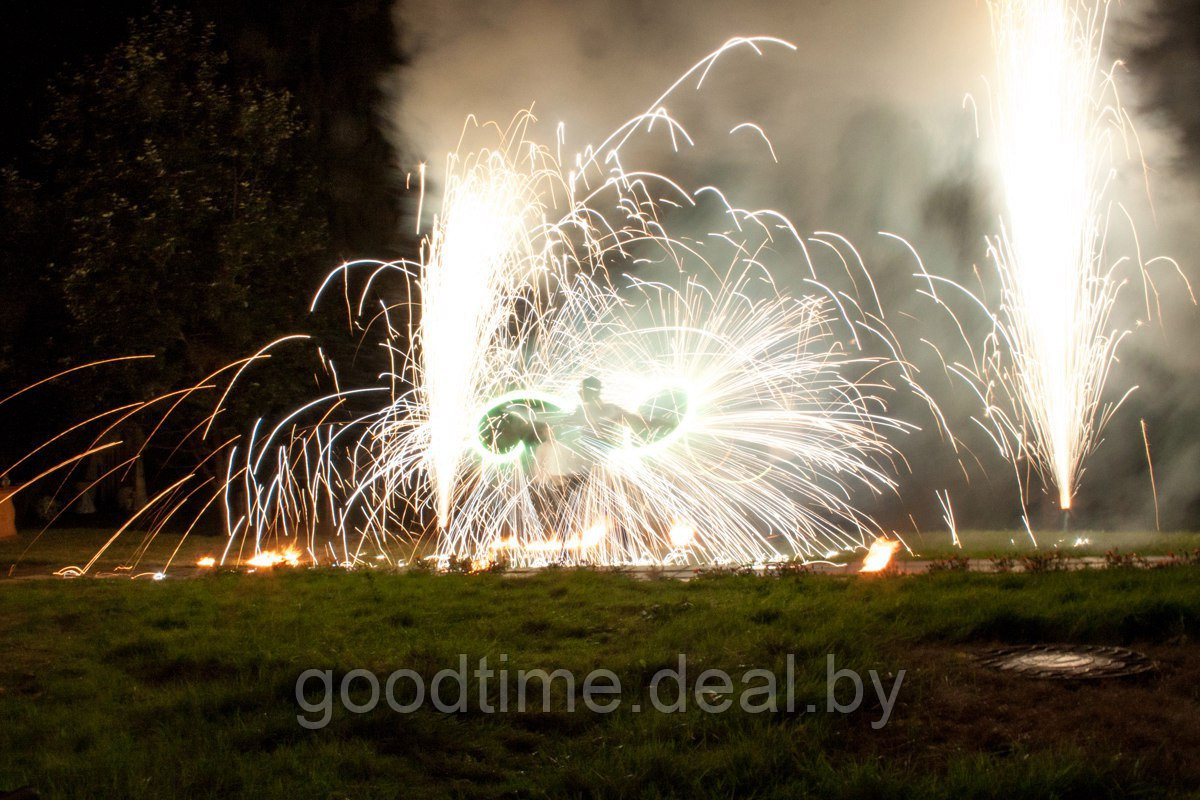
[[748, 424], [771, 443], [1058, 128], [776, 420], [484, 252], [1054, 138]]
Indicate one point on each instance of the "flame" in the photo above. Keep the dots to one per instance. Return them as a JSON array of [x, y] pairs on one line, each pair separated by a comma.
[[594, 534], [879, 557], [270, 558], [590, 537], [207, 561]]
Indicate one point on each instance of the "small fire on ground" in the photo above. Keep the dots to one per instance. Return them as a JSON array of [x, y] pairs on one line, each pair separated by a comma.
[[879, 556]]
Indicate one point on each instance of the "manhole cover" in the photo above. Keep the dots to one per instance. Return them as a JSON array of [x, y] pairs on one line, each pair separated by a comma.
[[1068, 661]]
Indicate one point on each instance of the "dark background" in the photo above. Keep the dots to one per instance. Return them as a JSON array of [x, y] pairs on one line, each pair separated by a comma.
[[328, 54]]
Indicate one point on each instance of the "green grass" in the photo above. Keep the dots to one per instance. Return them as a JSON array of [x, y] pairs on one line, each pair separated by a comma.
[[185, 688], [1016, 543]]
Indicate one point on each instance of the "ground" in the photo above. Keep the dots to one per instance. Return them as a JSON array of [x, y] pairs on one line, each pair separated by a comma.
[[186, 687], [40, 554]]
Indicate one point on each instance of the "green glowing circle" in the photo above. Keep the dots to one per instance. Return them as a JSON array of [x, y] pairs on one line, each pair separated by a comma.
[[502, 436], [508, 429]]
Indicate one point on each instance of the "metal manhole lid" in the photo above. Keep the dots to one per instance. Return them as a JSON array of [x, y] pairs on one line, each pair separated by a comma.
[[1067, 661]]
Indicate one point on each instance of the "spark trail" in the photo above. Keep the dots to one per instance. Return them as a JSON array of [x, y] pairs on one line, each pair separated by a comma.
[[778, 423], [1059, 134]]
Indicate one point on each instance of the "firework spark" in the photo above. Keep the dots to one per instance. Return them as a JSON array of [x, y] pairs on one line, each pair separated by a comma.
[[720, 419], [743, 425], [1054, 137], [1058, 129]]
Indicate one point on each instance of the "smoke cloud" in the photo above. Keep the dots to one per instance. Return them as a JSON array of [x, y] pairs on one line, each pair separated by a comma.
[[872, 134]]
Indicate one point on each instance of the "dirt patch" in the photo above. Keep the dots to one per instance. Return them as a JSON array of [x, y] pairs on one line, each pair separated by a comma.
[[951, 704]]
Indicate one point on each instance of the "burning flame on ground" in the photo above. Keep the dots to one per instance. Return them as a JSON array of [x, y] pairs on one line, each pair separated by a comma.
[[879, 557], [681, 535], [266, 559], [593, 535], [271, 558]]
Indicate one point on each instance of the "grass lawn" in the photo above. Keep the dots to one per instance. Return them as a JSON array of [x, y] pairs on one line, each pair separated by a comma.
[[1016, 543], [186, 687], [43, 553]]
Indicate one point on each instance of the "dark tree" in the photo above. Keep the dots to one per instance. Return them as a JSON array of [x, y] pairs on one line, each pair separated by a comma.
[[24, 286], [179, 211], [331, 54], [188, 203]]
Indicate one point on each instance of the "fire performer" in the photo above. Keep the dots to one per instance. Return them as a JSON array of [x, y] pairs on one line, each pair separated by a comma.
[[570, 443]]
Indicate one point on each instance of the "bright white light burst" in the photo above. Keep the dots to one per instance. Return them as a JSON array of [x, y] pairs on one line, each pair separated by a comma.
[[741, 424]]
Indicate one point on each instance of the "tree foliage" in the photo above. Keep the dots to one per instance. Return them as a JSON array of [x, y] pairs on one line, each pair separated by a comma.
[[175, 209], [187, 202]]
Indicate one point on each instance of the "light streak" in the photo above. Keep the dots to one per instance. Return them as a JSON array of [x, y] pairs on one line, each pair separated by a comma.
[[1150, 465], [943, 498]]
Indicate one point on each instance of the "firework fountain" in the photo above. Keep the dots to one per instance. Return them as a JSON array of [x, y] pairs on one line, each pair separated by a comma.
[[589, 363], [727, 421], [1059, 131], [1054, 137]]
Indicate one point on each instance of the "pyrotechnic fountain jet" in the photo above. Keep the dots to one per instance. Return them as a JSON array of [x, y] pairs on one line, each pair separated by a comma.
[[748, 420], [1057, 130], [1054, 139]]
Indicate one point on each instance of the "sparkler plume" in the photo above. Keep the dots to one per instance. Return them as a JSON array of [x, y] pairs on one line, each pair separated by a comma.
[[1054, 116], [484, 249], [1058, 128], [719, 419]]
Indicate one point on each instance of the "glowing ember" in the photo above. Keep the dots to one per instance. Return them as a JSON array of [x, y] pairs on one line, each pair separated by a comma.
[[206, 561], [879, 556]]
